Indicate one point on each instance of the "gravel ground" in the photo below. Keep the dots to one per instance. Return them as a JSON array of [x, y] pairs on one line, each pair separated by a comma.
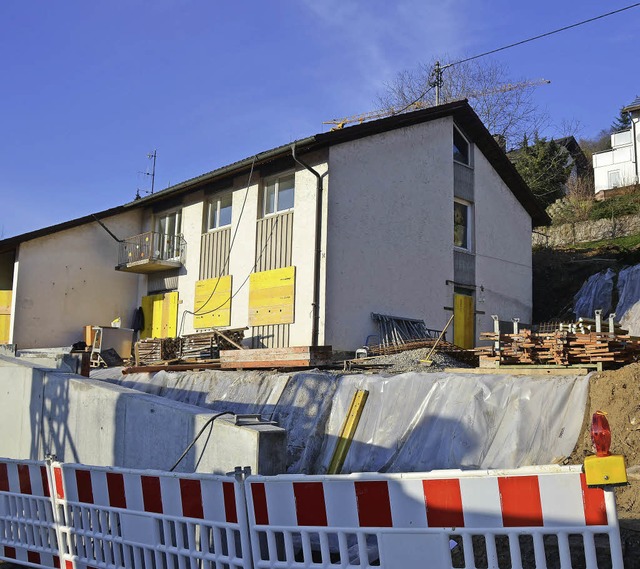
[[407, 361]]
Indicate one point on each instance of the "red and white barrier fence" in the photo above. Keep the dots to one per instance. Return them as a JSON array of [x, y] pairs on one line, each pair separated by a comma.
[[439, 519], [76, 517]]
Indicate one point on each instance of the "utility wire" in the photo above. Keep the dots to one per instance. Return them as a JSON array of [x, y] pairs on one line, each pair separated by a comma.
[[563, 29], [210, 421]]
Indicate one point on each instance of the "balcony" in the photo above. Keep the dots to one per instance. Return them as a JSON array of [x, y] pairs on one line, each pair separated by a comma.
[[151, 252]]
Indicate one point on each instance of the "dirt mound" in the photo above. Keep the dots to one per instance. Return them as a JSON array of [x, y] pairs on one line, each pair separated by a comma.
[[617, 393]]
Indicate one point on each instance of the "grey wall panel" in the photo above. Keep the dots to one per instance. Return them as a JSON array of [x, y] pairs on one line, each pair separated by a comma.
[[463, 182], [274, 241], [464, 268], [214, 253]]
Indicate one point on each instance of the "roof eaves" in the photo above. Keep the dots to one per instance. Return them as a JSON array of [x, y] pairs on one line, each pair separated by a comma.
[[10, 243]]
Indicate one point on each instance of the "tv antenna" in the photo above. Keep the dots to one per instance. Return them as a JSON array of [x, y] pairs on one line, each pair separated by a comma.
[[150, 156]]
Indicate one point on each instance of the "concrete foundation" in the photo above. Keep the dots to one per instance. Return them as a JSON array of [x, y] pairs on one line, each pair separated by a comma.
[[48, 411]]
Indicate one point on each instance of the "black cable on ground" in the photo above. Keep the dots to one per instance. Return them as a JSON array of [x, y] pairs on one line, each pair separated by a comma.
[[193, 442]]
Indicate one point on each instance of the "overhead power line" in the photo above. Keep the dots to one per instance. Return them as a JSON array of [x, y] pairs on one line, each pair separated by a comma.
[[563, 29]]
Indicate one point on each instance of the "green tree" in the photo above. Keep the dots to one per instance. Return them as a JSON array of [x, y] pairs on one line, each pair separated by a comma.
[[621, 122], [544, 166]]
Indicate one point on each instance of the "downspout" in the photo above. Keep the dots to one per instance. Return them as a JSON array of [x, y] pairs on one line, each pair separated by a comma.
[[315, 304], [635, 147]]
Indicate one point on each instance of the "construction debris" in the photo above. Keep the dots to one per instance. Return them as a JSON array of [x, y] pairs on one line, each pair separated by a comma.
[[396, 333], [561, 347]]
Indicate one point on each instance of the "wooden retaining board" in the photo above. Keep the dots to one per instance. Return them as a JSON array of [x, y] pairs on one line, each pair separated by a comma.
[[296, 356]]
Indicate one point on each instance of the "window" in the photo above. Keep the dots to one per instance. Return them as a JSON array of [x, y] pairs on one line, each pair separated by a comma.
[[462, 225], [219, 212], [614, 179], [169, 226], [279, 195], [460, 147]]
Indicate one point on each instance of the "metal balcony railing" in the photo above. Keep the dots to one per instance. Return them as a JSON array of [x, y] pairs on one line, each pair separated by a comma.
[[153, 250]]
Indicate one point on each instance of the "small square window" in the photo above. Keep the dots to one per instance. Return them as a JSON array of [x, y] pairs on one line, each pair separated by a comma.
[[279, 195], [462, 225], [460, 147]]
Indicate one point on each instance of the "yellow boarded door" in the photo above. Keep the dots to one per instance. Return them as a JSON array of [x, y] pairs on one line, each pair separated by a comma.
[[5, 315], [212, 303], [463, 320], [160, 315], [272, 297]]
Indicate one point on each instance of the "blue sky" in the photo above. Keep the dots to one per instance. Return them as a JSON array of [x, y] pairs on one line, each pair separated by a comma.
[[89, 88]]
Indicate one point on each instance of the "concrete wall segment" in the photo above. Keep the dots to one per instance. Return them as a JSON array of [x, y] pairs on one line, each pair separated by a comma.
[[46, 411]]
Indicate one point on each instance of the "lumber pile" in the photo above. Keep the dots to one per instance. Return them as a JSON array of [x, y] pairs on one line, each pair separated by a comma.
[[560, 347], [152, 350], [293, 357]]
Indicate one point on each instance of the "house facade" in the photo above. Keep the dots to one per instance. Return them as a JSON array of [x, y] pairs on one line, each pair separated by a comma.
[[419, 215], [618, 167]]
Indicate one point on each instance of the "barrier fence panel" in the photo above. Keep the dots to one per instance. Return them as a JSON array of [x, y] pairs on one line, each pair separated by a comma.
[[525, 518], [114, 517], [27, 524]]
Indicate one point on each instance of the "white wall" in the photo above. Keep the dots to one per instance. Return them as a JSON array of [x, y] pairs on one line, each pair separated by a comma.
[[502, 248], [243, 255], [390, 232], [67, 280]]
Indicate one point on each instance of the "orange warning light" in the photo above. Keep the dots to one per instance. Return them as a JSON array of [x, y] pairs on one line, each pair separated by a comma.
[[600, 433]]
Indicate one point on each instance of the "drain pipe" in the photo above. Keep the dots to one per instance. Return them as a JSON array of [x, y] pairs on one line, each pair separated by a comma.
[[315, 326]]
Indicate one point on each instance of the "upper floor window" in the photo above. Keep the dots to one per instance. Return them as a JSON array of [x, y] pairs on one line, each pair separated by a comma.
[[169, 227], [218, 212], [460, 148], [462, 225], [279, 194]]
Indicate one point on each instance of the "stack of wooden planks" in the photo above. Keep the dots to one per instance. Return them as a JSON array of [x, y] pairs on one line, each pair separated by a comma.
[[561, 347], [293, 357], [153, 350]]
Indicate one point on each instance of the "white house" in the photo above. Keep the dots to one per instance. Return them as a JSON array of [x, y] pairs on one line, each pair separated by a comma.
[[415, 215], [618, 167]]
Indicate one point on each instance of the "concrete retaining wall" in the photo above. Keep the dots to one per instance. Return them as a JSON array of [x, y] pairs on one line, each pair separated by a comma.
[[48, 411], [585, 231]]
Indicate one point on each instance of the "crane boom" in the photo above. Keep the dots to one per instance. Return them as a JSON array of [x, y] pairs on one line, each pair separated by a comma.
[[381, 113]]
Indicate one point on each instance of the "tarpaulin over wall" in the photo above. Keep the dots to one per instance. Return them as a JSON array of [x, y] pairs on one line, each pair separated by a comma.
[[628, 308], [595, 294], [411, 422]]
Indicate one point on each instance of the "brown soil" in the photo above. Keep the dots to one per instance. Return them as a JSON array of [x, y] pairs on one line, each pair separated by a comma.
[[617, 393]]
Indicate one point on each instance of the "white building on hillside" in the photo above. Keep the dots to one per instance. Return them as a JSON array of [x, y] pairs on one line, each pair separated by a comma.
[[416, 215], [618, 167]]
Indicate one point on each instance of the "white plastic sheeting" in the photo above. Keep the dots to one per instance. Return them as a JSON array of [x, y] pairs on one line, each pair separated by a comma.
[[628, 308], [411, 422], [595, 294]]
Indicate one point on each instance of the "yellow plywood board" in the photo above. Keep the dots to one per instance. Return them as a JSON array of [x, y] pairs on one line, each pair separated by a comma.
[[160, 315], [463, 321], [272, 297], [212, 303], [5, 315]]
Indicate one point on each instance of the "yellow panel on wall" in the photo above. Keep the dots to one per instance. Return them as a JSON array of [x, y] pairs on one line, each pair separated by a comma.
[[272, 297], [212, 303], [463, 321], [160, 315], [5, 315]]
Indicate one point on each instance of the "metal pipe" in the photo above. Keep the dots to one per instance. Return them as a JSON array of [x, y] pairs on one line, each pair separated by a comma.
[[315, 304]]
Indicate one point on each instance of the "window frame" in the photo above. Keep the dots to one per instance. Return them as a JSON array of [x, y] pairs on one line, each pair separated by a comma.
[[276, 180], [165, 214], [469, 162], [217, 201], [470, 241]]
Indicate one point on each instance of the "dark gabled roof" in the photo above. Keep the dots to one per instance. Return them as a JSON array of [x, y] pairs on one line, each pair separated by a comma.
[[460, 111], [633, 106]]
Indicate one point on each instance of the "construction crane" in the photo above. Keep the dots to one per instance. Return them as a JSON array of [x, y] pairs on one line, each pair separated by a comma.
[[416, 105]]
